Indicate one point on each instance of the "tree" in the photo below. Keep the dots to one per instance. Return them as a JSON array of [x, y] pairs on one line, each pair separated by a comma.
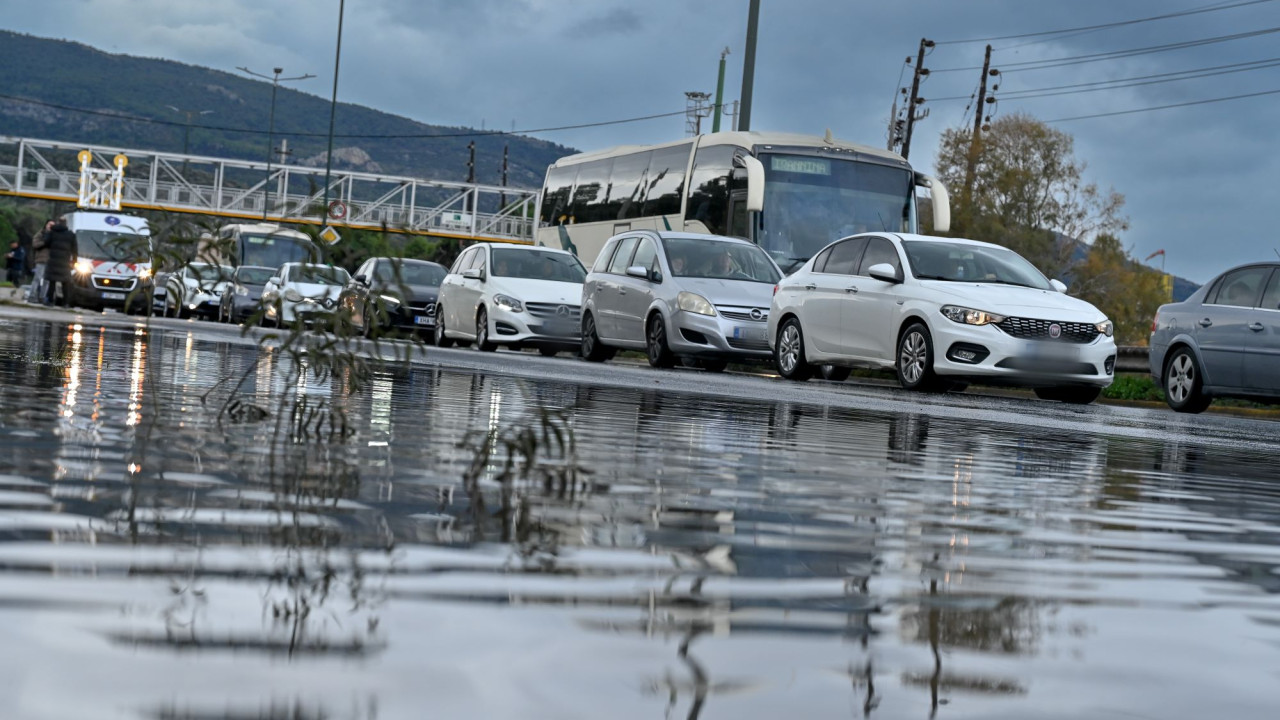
[[1027, 191], [1122, 288]]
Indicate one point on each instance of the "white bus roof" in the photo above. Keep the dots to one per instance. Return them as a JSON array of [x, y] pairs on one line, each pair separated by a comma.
[[739, 139], [265, 229], [107, 221]]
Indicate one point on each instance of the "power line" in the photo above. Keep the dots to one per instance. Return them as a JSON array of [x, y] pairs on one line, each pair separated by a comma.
[[1194, 11], [354, 136], [1120, 83], [1165, 107], [1115, 54], [1064, 36]]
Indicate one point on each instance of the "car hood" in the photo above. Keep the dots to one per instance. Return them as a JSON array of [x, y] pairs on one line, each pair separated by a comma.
[[417, 293], [527, 290], [315, 291], [740, 293], [1015, 301]]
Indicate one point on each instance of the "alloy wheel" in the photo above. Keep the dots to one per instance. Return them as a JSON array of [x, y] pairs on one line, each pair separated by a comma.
[[1181, 380], [913, 356], [789, 348]]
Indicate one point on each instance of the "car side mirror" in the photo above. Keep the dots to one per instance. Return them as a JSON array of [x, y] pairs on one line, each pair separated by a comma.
[[884, 272], [638, 271], [1058, 285], [362, 280], [472, 274], [655, 276]]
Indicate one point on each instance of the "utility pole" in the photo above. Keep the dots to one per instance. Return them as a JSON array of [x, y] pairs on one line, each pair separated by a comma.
[[715, 122], [915, 98], [186, 130], [471, 175], [749, 65], [976, 138], [271, 126], [695, 109], [502, 197], [333, 111]]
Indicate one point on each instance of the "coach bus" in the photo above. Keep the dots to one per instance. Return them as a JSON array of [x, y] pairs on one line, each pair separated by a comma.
[[790, 194], [263, 244]]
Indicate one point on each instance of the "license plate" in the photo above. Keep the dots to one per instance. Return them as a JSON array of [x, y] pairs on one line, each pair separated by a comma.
[[424, 320], [1050, 351], [114, 295], [748, 333]]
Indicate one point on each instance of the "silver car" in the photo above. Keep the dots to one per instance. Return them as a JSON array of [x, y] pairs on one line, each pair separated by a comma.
[[679, 295], [1223, 341]]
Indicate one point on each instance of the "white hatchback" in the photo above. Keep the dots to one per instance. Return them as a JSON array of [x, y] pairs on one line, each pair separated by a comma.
[[302, 291], [941, 312], [512, 295]]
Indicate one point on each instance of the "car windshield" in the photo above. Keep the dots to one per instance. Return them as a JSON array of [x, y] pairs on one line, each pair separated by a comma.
[[537, 265], [105, 245], [318, 274], [208, 273], [959, 262], [411, 273], [254, 275], [701, 258]]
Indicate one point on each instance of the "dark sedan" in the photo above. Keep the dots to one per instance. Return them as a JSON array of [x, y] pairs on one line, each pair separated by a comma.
[[393, 294], [1223, 341], [244, 293]]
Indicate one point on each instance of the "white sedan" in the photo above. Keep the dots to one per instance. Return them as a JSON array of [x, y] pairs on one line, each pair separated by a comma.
[[302, 291], [940, 312], [514, 296]]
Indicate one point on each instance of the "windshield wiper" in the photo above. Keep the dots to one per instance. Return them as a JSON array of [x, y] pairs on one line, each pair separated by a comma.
[[1009, 282], [937, 277]]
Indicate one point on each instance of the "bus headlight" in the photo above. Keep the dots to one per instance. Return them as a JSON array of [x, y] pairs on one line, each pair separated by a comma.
[[83, 266]]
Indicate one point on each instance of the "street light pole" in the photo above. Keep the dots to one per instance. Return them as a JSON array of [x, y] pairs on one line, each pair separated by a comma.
[[333, 109], [271, 126], [186, 130]]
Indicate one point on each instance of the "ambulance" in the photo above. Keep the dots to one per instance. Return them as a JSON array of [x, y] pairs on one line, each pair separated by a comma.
[[113, 260]]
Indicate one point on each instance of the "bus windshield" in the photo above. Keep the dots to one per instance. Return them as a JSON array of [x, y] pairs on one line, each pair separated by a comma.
[[811, 200], [105, 245], [273, 250]]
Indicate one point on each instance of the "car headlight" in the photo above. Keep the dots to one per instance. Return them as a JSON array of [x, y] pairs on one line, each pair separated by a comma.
[[969, 316], [241, 290], [695, 303], [83, 266], [292, 295], [1106, 327], [508, 302], [144, 274], [390, 301]]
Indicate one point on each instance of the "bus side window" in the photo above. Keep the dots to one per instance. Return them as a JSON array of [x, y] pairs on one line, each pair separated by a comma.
[[555, 198], [588, 203], [665, 181], [626, 187], [709, 188]]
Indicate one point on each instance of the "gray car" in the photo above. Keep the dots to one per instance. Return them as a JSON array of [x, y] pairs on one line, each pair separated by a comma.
[[1223, 341], [678, 296]]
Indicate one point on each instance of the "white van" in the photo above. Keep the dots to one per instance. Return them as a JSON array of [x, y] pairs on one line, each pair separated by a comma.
[[115, 253]]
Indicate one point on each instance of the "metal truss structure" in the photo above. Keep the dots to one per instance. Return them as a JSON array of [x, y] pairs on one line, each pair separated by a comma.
[[237, 189]]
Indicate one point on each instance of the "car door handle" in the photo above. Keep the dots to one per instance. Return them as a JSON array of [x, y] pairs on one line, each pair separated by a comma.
[[810, 287], [1206, 322], [851, 290], [1256, 327]]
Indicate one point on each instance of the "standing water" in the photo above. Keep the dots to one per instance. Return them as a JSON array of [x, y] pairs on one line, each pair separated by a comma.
[[185, 532]]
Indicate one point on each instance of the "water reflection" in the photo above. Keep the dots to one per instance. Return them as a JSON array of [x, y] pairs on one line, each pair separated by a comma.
[[494, 547]]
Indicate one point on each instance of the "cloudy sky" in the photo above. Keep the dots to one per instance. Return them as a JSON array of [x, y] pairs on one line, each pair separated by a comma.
[[1199, 179]]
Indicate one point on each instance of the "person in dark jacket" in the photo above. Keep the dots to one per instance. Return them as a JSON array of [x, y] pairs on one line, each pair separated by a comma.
[[39, 259], [63, 253], [15, 264]]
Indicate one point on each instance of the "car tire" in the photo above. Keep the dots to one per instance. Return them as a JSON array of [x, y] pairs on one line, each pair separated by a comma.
[[482, 332], [547, 351], [914, 360], [1070, 395], [592, 349], [442, 340], [835, 373], [788, 352], [1184, 383], [655, 342], [715, 365]]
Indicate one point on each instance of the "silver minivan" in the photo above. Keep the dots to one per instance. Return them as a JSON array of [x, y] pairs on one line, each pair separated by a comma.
[[679, 295]]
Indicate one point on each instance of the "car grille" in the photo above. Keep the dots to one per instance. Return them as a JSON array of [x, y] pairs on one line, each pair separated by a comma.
[[423, 308], [744, 314], [1034, 329], [114, 283], [551, 311], [1045, 366], [741, 344]]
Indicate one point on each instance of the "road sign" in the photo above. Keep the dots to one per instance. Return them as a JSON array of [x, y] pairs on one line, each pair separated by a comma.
[[329, 235], [337, 210]]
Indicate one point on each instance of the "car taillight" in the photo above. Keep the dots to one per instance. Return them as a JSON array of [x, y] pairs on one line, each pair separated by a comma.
[[775, 289], [1155, 322]]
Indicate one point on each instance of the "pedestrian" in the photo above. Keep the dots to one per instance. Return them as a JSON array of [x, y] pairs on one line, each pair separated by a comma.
[[15, 263], [39, 259], [63, 253]]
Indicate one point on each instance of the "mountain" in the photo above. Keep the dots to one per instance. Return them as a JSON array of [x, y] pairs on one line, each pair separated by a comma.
[[66, 77]]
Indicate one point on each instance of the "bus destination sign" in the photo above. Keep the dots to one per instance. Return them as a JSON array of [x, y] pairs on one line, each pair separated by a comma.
[[804, 165]]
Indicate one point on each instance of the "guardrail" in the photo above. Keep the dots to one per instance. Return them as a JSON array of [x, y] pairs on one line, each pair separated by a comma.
[[1132, 359]]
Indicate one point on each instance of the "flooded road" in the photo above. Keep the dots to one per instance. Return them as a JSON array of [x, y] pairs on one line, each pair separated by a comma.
[[190, 529]]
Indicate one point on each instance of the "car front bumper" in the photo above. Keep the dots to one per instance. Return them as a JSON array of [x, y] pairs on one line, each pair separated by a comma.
[[307, 310], [717, 336], [987, 353], [523, 328]]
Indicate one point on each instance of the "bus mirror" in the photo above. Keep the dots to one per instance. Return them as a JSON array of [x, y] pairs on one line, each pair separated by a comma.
[[941, 202], [755, 183]]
